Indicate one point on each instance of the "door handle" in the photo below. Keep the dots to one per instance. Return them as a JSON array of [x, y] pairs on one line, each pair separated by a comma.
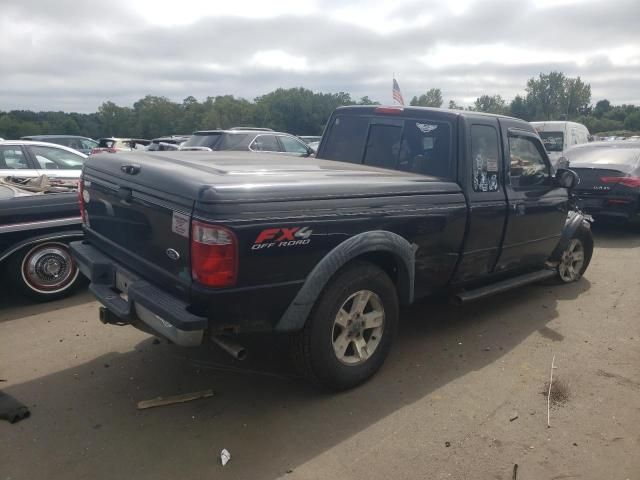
[[519, 208]]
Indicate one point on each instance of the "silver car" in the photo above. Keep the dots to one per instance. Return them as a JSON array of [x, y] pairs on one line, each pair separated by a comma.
[[26, 159]]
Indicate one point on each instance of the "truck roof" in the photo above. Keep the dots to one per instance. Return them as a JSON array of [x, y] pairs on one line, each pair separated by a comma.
[[419, 111]]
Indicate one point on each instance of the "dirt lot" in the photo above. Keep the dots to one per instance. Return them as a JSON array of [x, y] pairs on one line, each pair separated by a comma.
[[460, 396]]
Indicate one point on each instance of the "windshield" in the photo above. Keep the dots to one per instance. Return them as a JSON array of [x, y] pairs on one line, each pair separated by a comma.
[[553, 141], [203, 139]]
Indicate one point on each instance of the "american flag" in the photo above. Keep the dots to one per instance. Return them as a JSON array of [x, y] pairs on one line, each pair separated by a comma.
[[397, 95]]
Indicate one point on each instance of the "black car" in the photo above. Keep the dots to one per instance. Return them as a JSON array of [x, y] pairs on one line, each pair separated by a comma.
[[609, 172], [247, 139], [81, 144], [35, 230]]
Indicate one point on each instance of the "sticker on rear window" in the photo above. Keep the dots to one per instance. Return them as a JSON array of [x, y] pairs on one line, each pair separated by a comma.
[[425, 127], [180, 224]]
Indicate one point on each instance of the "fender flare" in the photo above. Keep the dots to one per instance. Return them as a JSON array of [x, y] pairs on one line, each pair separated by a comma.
[[575, 220], [403, 252], [71, 234]]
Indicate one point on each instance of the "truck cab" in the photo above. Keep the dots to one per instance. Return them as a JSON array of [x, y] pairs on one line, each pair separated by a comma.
[[516, 206]]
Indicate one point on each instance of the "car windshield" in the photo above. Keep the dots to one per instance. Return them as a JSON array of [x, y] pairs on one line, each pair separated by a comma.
[[553, 141], [203, 139]]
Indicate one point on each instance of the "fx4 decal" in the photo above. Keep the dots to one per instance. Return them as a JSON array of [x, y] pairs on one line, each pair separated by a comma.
[[282, 237]]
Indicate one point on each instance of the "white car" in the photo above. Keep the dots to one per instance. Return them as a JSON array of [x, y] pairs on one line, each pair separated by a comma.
[[26, 159], [558, 136]]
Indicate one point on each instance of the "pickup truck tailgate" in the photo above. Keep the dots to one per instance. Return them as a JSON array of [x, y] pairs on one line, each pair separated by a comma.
[[144, 226]]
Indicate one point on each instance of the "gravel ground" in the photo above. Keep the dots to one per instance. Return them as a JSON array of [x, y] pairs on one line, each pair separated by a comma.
[[462, 396]]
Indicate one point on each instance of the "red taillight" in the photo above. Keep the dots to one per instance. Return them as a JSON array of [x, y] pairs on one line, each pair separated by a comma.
[[95, 150], [389, 110], [631, 182], [83, 212], [214, 255]]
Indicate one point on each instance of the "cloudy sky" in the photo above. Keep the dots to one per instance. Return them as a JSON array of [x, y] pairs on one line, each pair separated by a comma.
[[74, 54]]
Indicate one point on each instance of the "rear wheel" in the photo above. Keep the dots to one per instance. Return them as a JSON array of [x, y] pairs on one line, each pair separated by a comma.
[[576, 257], [45, 271], [350, 330]]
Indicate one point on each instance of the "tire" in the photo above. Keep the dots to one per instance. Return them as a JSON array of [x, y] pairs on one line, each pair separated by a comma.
[[576, 257], [349, 332], [45, 271]]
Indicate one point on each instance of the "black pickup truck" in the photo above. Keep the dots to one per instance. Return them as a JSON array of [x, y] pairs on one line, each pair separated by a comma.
[[412, 202]]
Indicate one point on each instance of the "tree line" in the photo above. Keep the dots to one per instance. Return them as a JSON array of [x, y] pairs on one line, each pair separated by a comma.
[[300, 111]]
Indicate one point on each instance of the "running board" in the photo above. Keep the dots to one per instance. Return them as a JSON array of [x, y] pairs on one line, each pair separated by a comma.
[[465, 296]]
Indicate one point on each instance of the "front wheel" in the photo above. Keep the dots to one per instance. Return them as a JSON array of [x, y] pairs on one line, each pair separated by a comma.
[[350, 330], [45, 271], [576, 257]]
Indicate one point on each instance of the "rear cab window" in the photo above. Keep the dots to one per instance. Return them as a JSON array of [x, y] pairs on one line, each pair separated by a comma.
[[421, 145]]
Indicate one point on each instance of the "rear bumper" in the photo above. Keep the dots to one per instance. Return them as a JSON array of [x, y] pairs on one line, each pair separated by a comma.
[[141, 302], [610, 207]]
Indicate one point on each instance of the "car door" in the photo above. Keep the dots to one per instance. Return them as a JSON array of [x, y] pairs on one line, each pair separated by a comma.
[[15, 162], [537, 207], [293, 146], [483, 176], [56, 162]]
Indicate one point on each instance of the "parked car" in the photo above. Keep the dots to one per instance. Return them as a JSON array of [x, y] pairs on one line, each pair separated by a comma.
[[309, 139], [35, 231], [81, 144], [172, 142], [252, 139], [203, 247], [113, 145], [609, 187], [558, 136], [25, 159], [314, 146]]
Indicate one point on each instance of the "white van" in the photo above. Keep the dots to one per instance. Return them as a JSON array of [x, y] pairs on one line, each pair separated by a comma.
[[558, 136]]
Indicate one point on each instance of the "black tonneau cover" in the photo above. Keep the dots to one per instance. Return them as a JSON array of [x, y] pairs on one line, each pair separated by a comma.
[[238, 177]]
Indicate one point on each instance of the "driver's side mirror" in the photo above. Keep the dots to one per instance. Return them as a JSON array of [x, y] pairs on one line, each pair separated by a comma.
[[566, 178]]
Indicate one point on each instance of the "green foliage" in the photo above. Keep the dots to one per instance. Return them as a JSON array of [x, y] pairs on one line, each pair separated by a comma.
[[433, 98], [300, 111], [490, 104], [632, 122]]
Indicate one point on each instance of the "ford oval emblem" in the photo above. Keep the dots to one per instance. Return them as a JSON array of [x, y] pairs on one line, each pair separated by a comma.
[[172, 254]]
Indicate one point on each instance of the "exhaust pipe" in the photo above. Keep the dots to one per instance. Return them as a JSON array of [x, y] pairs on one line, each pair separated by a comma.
[[236, 351]]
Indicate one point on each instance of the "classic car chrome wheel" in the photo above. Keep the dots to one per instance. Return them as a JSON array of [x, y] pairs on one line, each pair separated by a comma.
[[48, 268], [358, 327]]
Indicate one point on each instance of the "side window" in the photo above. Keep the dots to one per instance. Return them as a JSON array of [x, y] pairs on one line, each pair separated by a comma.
[[383, 146], [485, 158], [426, 148], [345, 139], [265, 143], [527, 167], [12, 157], [291, 145], [88, 144], [56, 159]]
